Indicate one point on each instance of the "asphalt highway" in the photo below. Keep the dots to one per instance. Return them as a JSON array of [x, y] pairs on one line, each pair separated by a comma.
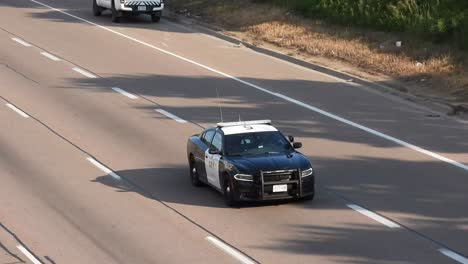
[[94, 120]]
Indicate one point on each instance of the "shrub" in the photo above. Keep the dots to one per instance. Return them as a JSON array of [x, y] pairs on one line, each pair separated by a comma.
[[437, 19]]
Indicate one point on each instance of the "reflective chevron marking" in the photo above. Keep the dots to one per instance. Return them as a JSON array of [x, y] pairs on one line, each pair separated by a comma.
[[148, 3]]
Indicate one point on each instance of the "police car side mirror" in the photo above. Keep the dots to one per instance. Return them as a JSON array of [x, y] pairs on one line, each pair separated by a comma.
[[297, 145], [214, 152], [291, 138]]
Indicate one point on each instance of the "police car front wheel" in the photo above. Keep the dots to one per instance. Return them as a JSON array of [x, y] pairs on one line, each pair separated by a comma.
[[195, 180], [309, 197], [229, 194]]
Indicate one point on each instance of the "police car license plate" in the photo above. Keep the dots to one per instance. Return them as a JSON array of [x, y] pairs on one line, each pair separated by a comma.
[[141, 8], [280, 188]]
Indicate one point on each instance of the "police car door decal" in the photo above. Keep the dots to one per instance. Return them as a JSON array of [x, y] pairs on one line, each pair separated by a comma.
[[212, 168]]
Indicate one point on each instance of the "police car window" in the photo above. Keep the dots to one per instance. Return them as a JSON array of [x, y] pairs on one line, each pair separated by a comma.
[[207, 136], [256, 143], [217, 142]]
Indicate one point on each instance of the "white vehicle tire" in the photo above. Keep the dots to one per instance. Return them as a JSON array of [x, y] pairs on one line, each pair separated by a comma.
[[97, 10], [155, 18], [115, 14]]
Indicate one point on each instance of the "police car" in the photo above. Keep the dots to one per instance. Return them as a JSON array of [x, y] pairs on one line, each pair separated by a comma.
[[250, 161], [134, 7]]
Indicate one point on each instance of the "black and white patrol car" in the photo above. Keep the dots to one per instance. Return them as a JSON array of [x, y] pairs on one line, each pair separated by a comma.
[[250, 161]]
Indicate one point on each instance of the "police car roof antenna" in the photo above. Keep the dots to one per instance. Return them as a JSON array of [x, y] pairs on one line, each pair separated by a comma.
[[219, 103]]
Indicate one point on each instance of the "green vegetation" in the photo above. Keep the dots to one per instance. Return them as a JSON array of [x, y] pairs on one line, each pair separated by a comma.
[[440, 20]]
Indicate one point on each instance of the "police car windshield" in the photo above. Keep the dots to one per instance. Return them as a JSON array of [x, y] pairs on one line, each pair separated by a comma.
[[256, 143]]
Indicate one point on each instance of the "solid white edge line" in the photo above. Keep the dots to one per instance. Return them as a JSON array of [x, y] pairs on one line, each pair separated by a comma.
[[104, 168], [373, 216], [22, 42], [17, 110], [453, 255], [50, 56], [166, 113], [229, 250], [125, 93], [85, 73], [28, 254], [289, 99]]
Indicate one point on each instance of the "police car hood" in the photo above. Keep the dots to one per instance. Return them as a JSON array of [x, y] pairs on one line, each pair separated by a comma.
[[253, 164]]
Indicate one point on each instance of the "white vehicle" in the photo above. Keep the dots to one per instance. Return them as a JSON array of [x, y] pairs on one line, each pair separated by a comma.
[[133, 7]]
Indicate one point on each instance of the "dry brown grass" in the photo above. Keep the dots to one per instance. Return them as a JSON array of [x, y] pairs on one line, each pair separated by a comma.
[[436, 70]]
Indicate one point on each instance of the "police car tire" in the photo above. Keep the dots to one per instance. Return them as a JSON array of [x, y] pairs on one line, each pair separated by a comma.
[[229, 194], [308, 197], [194, 176], [115, 14], [97, 10]]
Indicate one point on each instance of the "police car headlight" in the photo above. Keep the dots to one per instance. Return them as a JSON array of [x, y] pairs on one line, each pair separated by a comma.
[[307, 172], [243, 177]]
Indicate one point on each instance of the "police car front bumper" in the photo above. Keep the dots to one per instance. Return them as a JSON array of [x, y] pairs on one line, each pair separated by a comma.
[[261, 191]]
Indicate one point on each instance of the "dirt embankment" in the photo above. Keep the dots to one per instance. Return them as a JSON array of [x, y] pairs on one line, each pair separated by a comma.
[[435, 72]]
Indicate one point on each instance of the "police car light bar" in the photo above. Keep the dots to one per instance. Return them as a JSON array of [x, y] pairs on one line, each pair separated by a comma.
[[245, 123]]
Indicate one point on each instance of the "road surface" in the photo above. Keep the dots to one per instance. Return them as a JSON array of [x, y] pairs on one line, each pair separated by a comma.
[[93, 172]]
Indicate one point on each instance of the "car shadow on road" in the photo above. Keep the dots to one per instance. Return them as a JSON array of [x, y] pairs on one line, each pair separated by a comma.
[[172, 186]]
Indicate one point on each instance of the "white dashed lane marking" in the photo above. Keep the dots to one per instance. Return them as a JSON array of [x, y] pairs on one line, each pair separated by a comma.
[[230, 250], [373, 216], [17, 110], [125, 93], [22, 42], [176, 118], [103, 168], [85, 73], [28, 254], [453, 255], [49, 56]]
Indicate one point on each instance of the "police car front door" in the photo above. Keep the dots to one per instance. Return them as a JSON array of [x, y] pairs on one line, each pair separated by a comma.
[[212, 161]]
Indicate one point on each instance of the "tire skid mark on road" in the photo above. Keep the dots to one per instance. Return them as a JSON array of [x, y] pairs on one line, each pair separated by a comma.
[[284, 97]]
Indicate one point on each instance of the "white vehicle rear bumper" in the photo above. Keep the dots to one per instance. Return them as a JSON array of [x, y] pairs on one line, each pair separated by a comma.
[[129, 8]]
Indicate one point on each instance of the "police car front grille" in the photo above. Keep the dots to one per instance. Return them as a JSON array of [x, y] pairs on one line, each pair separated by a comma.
[[279, 176]]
